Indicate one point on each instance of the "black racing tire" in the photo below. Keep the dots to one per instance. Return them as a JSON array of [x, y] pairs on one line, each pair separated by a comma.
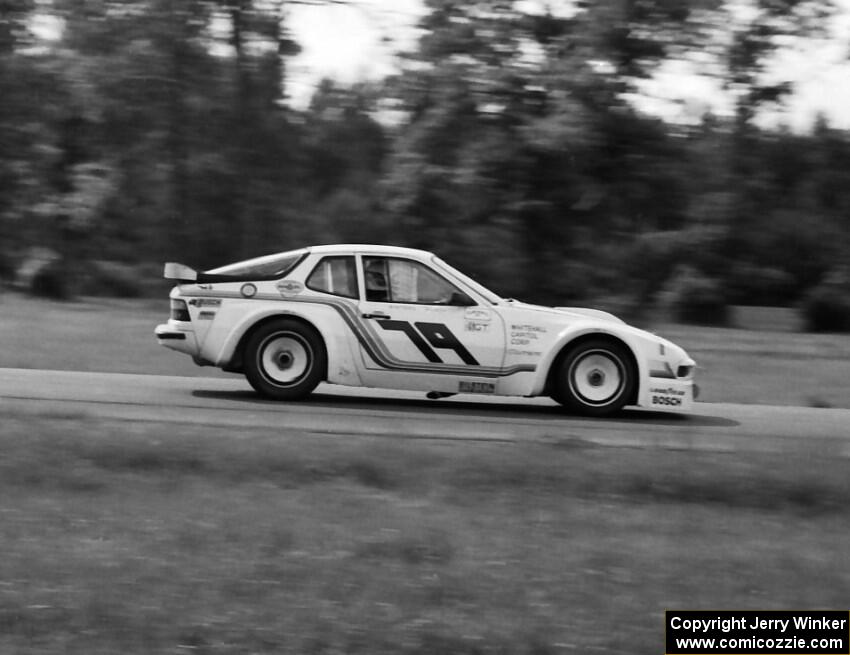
[[285, 359], [597, 377]]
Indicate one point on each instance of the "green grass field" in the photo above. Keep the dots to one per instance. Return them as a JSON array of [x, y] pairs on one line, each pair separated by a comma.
[[126, 537], [771, 365]]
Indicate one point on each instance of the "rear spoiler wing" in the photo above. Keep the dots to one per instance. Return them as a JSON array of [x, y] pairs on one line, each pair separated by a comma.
[[179, 272], [183, 274]]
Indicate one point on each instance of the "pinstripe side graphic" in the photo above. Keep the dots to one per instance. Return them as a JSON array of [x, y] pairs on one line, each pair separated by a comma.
[[372, 343]]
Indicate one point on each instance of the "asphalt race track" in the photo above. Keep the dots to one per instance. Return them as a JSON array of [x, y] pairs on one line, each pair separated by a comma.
[[334, 410]]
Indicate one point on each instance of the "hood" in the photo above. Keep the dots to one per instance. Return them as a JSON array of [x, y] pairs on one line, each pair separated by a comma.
[[591, 313], [574, 312]]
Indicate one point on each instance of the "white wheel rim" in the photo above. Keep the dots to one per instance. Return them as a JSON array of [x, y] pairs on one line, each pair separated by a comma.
[[597, 377], [285, 359]]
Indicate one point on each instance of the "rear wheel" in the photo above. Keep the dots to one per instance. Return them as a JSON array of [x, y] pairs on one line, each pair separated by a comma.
[[285, 360], [595, 378]]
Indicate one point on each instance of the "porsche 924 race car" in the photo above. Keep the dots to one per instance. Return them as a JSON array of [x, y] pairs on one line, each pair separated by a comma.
[[398, 318]]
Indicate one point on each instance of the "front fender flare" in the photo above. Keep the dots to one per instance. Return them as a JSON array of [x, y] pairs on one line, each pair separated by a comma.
[[583, 329]]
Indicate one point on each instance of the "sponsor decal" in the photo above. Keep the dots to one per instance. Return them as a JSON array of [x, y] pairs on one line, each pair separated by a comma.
[[477, 326], [670, 401], [289, 288], [206, 316], [248, 290], [205, 302], [529, 328], [476, 387], [522, 335], [524, 353], [670, 391], [668, 397], [477, 314]]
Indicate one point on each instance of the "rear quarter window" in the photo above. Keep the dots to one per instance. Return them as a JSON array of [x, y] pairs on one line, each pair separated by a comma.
[[336, 276]]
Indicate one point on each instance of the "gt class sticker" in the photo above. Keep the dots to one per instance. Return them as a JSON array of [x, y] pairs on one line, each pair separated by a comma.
[[477, 326]]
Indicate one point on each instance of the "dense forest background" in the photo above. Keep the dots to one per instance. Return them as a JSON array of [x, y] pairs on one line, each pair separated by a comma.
[[509, 142]]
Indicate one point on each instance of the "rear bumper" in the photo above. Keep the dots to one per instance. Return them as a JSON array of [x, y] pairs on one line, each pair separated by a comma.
[[166, 335], [177, 336]]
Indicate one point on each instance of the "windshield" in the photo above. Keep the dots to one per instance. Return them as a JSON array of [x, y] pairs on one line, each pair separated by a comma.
[[269, 266], [478, 288]]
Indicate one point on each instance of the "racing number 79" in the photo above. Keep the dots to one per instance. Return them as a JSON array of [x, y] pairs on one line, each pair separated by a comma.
[[426, 335]]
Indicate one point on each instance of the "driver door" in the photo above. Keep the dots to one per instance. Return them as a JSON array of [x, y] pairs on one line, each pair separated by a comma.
[[423, 332]]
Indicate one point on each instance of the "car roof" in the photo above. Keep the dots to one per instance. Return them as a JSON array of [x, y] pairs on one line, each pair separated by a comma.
[[370, 248]]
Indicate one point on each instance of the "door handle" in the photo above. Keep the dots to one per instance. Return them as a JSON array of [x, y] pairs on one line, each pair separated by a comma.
[[379, 315]]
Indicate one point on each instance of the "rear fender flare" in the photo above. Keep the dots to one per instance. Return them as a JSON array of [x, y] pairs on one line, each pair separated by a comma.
[[323, 319]]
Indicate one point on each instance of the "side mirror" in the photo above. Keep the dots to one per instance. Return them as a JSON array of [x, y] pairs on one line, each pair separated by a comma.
[[460, 299]]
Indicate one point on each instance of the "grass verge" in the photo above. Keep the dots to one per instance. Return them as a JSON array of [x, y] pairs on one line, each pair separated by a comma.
[[767, 367], [129, 537]]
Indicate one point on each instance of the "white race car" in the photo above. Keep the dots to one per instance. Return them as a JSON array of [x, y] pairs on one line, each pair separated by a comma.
[[397, 318]]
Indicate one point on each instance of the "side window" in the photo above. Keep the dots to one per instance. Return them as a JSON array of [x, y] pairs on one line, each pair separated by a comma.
[[404, 281], [335, 275]]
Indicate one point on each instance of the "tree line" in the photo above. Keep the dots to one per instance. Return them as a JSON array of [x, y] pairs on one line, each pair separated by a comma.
[[509, 142]]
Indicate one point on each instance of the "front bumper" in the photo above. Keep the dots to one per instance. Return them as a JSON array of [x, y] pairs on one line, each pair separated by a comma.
[[664, 394]]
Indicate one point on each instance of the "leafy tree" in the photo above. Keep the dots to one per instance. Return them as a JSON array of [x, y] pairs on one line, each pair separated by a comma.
[[511, 143], [517, 127]]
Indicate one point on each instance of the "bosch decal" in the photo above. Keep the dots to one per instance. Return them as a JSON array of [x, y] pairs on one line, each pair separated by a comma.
[[668, 397], [671, 401]]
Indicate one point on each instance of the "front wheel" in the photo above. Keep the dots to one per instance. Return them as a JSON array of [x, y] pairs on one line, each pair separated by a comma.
[[595, 378], [285, 360]]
